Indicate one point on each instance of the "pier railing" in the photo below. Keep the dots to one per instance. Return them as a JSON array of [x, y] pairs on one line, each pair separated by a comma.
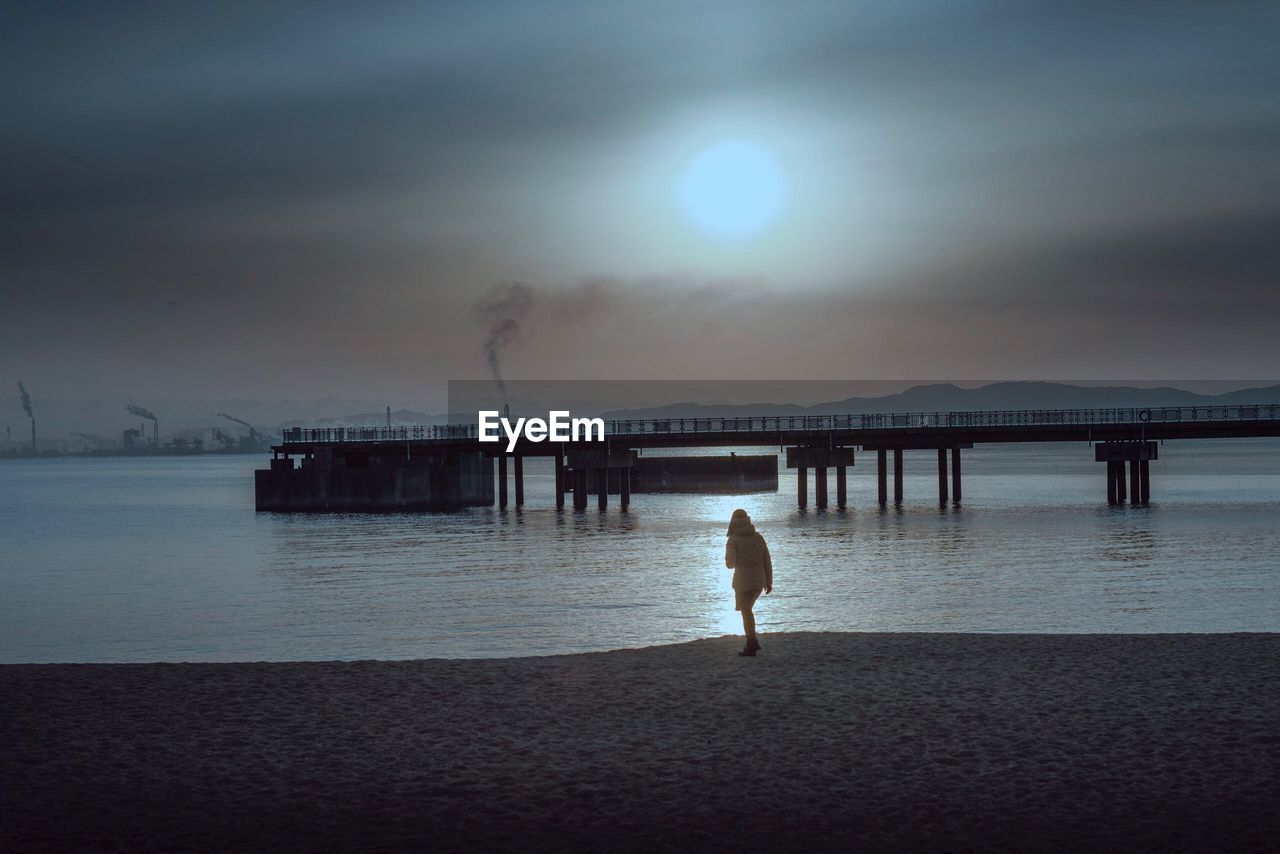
[[825, 423]]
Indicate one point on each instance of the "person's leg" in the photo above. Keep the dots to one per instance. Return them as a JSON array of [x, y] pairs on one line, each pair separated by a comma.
[[746, 601], [749, 628]]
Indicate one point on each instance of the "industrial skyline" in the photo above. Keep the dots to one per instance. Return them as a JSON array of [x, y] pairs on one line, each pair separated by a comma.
[[76, 425]]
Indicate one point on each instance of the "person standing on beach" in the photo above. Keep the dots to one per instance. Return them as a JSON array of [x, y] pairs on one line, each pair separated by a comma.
[[747, 554]]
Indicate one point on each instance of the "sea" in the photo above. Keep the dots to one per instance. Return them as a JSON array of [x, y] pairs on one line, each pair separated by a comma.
[[165, 559]]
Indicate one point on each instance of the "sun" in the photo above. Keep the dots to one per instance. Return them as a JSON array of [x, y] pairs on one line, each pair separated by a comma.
[[732, 190]]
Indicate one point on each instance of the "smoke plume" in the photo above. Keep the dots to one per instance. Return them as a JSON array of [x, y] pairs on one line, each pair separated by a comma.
[[26, 400], [252, 430], [502, 309], [140, 411]]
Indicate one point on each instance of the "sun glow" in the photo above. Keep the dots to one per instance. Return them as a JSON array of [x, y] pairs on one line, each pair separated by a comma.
[[732, 190]]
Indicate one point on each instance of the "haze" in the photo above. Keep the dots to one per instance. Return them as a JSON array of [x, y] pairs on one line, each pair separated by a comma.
[[248, 200]]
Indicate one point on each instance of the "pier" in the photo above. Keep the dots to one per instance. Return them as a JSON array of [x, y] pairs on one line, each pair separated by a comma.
[[442, 466]]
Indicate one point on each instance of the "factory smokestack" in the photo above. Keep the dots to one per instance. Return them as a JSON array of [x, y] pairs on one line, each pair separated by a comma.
[[388, 416], [140, 411], [143, 412]]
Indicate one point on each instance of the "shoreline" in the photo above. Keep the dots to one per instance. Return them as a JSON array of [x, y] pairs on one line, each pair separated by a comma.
[[542, 656], [921, 741]]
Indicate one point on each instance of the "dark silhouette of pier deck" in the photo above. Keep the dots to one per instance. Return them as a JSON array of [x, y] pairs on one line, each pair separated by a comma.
[[1127, 440]]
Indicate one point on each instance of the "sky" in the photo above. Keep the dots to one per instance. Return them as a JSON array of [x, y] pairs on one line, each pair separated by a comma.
[[364, 201]]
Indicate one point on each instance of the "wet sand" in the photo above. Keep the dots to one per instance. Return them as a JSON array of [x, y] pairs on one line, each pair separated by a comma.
[[924, 742]]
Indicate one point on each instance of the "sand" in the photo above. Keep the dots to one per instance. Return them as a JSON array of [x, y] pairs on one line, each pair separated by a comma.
[[910, 742]]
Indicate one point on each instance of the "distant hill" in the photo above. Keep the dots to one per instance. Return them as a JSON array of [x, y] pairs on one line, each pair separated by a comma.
[[945, 397], [690, 409]]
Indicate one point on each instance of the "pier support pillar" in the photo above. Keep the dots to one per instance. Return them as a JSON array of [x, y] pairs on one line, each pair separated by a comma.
[[502, 480], [519, 474], [842, 488], [942, 476], [897, 475], [624, 493], [559, 481], [591, 467], [882, 476], [1138, 455], [955, 474], [804, 457]]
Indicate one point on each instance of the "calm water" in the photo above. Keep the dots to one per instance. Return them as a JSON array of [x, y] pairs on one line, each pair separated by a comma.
[[165, 559]]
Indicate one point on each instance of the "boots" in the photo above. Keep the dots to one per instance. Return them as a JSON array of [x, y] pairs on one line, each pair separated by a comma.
[[752, 647]]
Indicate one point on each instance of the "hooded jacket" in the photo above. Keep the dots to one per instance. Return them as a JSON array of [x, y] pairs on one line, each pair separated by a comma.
[[748, 556]]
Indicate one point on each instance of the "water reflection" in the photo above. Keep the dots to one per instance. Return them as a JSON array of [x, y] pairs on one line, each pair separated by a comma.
[[591, 580], [1128, 543], [193, 573]]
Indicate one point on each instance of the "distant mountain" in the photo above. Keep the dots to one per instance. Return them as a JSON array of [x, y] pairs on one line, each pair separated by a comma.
[[1038, 395], [945, 397], [690, 409]]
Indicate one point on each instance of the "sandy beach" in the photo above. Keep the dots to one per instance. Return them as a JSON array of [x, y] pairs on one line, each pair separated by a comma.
[[916, 742]]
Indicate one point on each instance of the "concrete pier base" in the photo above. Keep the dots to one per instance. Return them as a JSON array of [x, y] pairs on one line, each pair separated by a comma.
[[356, 480], [597, 470], [842, 487], [519, 475], [819, 459], [1139, 456], [624, 494]]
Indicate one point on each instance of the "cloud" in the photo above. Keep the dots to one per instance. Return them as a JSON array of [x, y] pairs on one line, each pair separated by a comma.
[[325, 200], [1228, 262]]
